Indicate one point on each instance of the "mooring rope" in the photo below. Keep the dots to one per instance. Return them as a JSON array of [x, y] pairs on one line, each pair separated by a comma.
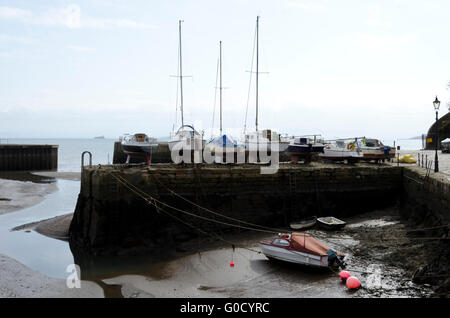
[[146, 197], [149, 198], [152, 201], [274, 230], [159, 209]]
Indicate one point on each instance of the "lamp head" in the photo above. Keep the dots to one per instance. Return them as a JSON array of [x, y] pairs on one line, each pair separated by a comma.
[[436, 104]]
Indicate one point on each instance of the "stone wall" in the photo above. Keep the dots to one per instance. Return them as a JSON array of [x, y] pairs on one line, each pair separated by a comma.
[[110, 219], [426, 204]]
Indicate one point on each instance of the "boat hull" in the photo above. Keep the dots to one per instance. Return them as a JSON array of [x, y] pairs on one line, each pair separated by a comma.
[[291, 256], [304, 149], [136, 149], [303, 224], [336, 225], [339, 155]]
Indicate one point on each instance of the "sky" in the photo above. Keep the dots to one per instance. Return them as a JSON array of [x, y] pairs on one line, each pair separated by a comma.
[[337, 68]]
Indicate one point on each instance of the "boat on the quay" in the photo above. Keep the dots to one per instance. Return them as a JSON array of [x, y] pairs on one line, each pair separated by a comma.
[[257, 140], [186, 137], [339, 150], [374, 149], [138, 144], [302, 248], [304, 147]]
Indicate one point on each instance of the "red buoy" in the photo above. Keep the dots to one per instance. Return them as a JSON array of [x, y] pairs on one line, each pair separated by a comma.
[[231, 264], [343, 275], [353, 282]]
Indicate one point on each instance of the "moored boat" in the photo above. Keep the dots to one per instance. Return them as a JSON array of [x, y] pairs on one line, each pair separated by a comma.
[[304, 223], [301, 248], [331, 223]]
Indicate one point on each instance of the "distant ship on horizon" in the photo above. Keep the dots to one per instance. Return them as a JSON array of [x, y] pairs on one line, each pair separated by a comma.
[[99, 137]]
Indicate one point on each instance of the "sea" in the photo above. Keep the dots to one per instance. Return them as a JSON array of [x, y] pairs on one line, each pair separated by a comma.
[[70, 149]]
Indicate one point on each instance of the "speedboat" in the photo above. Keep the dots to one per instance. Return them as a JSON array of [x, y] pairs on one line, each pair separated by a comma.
[[301, 248], [138, 144], [331, 223], [340, 151]]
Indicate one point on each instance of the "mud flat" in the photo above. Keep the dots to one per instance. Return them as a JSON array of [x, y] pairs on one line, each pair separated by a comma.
[[74, 176], [57, 227], [206, 272], [17, 280], [17, 195]]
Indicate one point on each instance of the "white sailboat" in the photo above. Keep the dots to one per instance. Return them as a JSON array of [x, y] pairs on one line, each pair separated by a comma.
[[267, 139], [186, 138]]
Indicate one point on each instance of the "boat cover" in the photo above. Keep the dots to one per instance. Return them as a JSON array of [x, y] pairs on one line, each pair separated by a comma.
[[224, 141], [303, 242]]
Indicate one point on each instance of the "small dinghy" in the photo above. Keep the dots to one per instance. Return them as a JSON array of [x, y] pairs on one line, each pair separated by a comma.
[[304, 224], [302, 248], [331, 223]]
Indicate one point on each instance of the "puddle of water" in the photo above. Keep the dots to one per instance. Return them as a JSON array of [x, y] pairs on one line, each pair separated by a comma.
[[43, 254]]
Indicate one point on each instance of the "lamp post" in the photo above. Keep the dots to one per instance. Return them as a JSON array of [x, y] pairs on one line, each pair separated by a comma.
[[436, 105]]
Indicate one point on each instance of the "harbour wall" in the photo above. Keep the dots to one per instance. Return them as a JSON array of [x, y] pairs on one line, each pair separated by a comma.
[[28, 157], [425, 203], [112, 219]]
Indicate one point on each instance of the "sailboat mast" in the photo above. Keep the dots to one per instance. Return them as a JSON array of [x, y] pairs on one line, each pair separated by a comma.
[[220, 58], [257, 68], [181, 77]]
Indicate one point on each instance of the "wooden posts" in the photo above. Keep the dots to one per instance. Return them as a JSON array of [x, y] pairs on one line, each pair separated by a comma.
[[28, 157]]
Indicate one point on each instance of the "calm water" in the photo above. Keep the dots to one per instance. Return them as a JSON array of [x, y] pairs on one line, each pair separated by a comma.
[[405, 144]]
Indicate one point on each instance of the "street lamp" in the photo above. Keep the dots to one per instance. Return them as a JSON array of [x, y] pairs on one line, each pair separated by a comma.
[[436, 105]]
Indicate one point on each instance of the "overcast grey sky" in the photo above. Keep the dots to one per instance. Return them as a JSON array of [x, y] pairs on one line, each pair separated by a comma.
[[339, 68]]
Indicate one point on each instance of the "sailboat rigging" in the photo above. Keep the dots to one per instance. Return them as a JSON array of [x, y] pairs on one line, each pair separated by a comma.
[[257, 140], [223, 144], [186, 137]]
